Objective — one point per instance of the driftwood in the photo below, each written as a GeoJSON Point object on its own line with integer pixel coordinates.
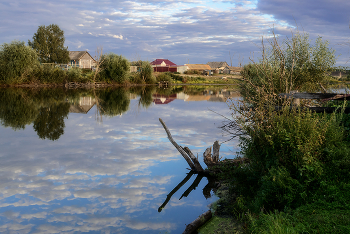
{"type": "Point", "coordinates": [191, 160]}
{"type": "Point", "coordinates": [210, 160]}
{"type": "Point", "coordinates": [192, 227]}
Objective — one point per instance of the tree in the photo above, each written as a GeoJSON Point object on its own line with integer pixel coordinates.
{"type": "Point", "coordinates": [16, 60]}
{"type": "Point", "coordinates": [48, 42]}
{"type": "Point", "coordinates": [114, 67]}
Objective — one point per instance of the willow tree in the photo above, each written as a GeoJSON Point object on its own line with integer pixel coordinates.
{"type": "Point", "coordinates": [114, 67]}
{"type": "Point", "coordinates": [16, 61]}
{"type": "Point", "coordinates": [48, 42]}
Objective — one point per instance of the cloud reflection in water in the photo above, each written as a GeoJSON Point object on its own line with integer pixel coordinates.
{"type": "Point", "coordinates": [106, 177]}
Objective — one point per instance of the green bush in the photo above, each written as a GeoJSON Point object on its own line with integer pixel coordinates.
{"type": "Point", "coordinates": [164, 77]}
{"type": "Point", "coordinates": [16, 61]}
{"type": "Point", "coordinates": [48, 74]}
{"type": "Point", "coordinates": [146, 73]}
{"type": "Point", "coordinates": [74, 74]}
{"type": "Point", "coordinates": [290, 65]}
{"type": "Point", "coordinates": [114, 68]}
{"type": "Point", "coordinates": [193, 72]}
{"type": "Point", "coordinates": [287, 157]}
{"type": "Point", "coordinates": [299, 161]}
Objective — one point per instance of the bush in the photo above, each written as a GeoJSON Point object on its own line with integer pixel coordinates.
{"type": "Point", "coordinates": [114, 68]}
{"type": "Point", "coordinates": [16, 61]}
{"type": "Point", "coordinates": [146, 73]}
{"type": "Point", "coordinates": [48, 74]}
{"type": "Point", "coordinates": [74, 74]}
{"type": "Point", "coordinates": [286, 66]}
{"type": "Point", "coordinates": [296, 158]}
{"type": "Point", "coordinates": [193, 72]}
{"type": "Point", "coordinates": [164, 77]}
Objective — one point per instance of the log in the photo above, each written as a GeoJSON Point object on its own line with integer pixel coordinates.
{"type": "Point", "coordinates": [197, 223]}
{"type": "Point", "coordinates": [180, 149]}
{"type": "Point", "coordinates": [191, 160]}
{"type": "Point", "coordinates": [195, 161]}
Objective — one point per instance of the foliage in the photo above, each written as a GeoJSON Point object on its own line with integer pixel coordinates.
{"type": "Point", "coordinates": [293, 64]}
{"type": "Point", "coordinates": [164, 77]}
{"type": "Point", "coordinates": [193, 72]}
{"type": "Point", "coordinates": [48, 42]}
{"type": "Point", "coordinates": [47, 74]}
{"type": "Point", "coordinates": [74, 74]}
{"type": "Point", "coordinates": [146, 72]}
{"type": "Point", "coordinates": [16, 61]}
{"type": "Point", "coordinates": [298, 160]}
{"type": "Point", "coordinates": [114, 67]}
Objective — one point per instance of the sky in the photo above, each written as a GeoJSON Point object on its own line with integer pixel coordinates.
{"type": "Point", "coordinates": [184, 31]}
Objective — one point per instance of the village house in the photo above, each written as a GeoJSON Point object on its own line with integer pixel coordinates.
{"type": "Point", "coordinates": [202, 68]}
{"type": "Point", "coordinates": [165, 65]}
{"type": "Point", "coordinates": [81, 59]}
{"type": "Point", "coordinates": [217, 67]}
{"type": "Point", "coordinates": [232, 70]}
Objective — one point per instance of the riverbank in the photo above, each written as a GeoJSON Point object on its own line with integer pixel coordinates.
{"type": "Point", "coordinates": [172, 79]}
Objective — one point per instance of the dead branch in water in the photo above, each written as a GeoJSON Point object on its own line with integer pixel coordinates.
{"type": "Point", "coordinates": [185, 152]}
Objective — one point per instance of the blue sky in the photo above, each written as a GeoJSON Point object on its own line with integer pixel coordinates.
{"type": "Point", "coordinates": [187, 31]}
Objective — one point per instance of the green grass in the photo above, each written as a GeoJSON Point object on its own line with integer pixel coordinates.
{"type": "Point", "coordinates": [221, 225]}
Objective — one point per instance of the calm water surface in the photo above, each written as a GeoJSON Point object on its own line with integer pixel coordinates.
{"type": "Point", "coordinates": [84, 161]}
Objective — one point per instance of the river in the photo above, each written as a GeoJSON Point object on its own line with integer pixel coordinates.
{"type": "Point", "coordinates": [99, 161]}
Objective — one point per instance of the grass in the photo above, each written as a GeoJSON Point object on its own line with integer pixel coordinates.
{"type": "Point", "coordinates": [199, 79]}
{"type": "Point", "coordinates": [221, 225]}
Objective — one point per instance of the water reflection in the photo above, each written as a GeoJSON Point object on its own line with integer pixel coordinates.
{"type": "Point", "coordinates": [100, 178]}
{"type": "Point", "coordinates": [47, 108]}
{"type": "Point", "coordinates": [211, 186]}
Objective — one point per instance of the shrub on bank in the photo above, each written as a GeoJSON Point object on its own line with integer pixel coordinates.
{"type": "Point", "coordinates": [293, 64]}
{"type": "Point", "coordinates": [16, 61]}
{"type": "Point", "coordinates": [164, 77]}
{"type": "Point", "coordinates": [297, 159]}
{"type": "Point", "coordinates": [47, 74]}
{"type": "Point", "coordinates": [114, 68]}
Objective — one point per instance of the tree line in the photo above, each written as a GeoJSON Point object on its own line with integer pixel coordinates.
{"type": "Point", "coordinates": [37, 62]}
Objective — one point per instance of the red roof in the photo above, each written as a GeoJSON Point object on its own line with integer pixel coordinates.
{"type": "Point", "coordinates": [166, 61]}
